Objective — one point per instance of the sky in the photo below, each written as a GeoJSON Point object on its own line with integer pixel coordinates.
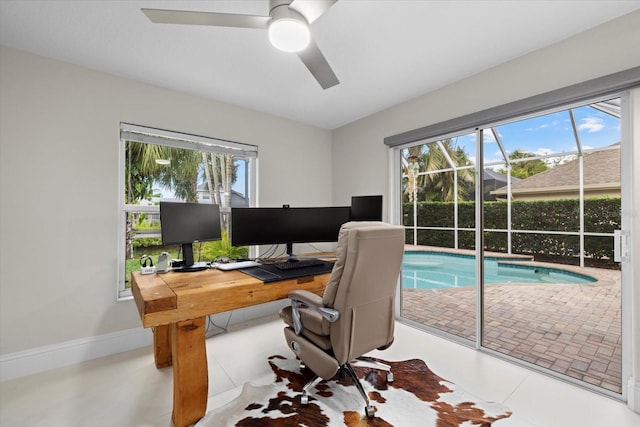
{"type": "Point", "coordinates": [548, 134]}
{"type": "Point", "coordinates": [239, 184]}
{"type": "Point", "coordinates": [544, 135]}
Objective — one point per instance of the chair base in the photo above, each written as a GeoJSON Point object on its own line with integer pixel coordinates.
{"type": "Point", "coordinates": [347, 367]}
{"type": "Point", "coordinates": [367, 362]}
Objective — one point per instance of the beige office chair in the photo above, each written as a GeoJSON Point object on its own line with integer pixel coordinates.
{"type": "Point", "coordinates": [355, 315]}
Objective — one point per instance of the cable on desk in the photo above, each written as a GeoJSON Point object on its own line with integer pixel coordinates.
{"type": "Point", "coordinates": [211, 323]}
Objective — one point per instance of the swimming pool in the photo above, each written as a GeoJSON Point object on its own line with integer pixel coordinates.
{"type": "Point", "coordinates": [438, 270]}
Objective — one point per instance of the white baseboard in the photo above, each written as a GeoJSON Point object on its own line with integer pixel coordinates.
{"type": "Point", "coordinates": [33, 361]}
{"type": "Point", "coordinates": [633, 395]}
{"type": "Point", "coordinates": [41, 359]}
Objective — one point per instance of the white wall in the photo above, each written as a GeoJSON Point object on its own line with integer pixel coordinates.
{"type": "Point", "coordinates": [59, 141]}
{"type": "Point", "coordinates": [360, 158]}
{"type": "Point", "coordinates": [604, 50]}
{"type": "Point", "coordinates": [58, 168]}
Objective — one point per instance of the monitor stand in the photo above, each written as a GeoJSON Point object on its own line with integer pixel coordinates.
{"type": "Point", "coordinates": [187, 258]}
{"type": "Point", "coordinates": [290, 256]}
{"type": "Point", "coordinates": [190, 269]}
{"type": "Point", "coordinates": [293, 258]}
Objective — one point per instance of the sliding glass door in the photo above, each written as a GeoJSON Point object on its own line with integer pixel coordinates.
{"type": "Point", "coordinates": [510, 233]}
{"type": "Point", "coordinates": [438, 205]}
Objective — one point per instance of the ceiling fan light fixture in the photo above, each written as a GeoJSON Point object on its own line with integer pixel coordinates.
{"type": "Point", "coordinates": [289, 35]}
{"type": "Point", "coordinates": [288, 29]}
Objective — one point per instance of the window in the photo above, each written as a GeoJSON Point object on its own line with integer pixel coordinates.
{"type": "Point", "coordinates": [158, 165]}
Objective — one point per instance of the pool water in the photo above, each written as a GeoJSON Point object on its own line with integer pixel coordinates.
{"type": "Point", "coordinates": [437, 270]}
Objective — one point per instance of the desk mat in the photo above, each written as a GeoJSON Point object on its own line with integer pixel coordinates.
{"type": "Point", "coordinates": [269, 273]}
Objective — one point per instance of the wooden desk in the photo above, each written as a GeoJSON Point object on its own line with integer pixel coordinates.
{"type": "Point", "coordinates": [175, 305]}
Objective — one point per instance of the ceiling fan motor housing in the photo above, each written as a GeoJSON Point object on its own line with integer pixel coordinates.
{"type": "Point", "coordinates": [279, 9]}
{"type": "Point", "coordinates": [288, 29]}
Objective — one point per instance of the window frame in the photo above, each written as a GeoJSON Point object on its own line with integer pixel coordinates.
{"type": "Point", "coordinates": [149, 135]}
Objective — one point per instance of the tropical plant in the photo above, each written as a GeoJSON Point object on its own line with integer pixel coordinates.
{"type": "Point", "coordinates": [527, 168]}
{"type": "Point", "coordinates": [138, 175]}
{"type": "Point", "coordinates": [430, 176]}
{"type": "Point", "coordinates": [182, 176]}
{"type": "Point", "coordinates": [410, 172]}
{"type": "Point", "coordinates": [223, 249]}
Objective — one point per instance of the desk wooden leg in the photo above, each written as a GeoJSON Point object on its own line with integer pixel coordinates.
{"type": "Point", "coordinates": [190, 376]}
{"type": "Point", "coordinates": [162, 346]}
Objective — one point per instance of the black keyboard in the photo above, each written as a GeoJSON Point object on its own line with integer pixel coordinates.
{"type": "Point", "coordinates": [290, 265]}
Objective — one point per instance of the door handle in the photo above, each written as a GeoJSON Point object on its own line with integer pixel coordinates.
{"type": "Point", "coordinates": [620, 245]}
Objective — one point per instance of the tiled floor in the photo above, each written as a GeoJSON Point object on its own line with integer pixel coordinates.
{"type": "Point", "coordinates": [127, 390]}
{"type": "Point", "coordinates": [571, 329]}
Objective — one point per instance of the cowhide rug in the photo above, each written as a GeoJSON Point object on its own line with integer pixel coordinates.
{"type": "Point", "coordinates": [417, 397]}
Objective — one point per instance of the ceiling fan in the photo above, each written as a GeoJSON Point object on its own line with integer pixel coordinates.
{"type": "Point", "coordinates": [288, 25]}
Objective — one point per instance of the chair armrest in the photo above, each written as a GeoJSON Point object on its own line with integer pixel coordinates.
{"type": "Point", "coordinates": [309, 298]}
{"type": "Point", "coordinates": [304, 299]}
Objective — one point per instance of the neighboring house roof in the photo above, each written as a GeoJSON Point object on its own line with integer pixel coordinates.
{"type": "Point", "coordinates": [601, 172]}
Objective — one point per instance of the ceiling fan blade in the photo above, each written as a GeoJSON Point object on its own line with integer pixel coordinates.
{"type": "Point", "coordinates": [162, 16]}
{"type": "Point", "coordinates": [311, 9]}
{"type": "Point", "coordinates": [315, 61]}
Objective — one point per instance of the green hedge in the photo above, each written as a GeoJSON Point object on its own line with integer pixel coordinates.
{"type": "Point", "coordinates": [601, 215]}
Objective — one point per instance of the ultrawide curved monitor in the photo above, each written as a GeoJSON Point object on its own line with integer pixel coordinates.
{"type": "Point", "coordinates": [268, 226]}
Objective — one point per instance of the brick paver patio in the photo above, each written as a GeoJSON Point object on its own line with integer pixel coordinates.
{"type": "Point", "coordinates": [571, 329]}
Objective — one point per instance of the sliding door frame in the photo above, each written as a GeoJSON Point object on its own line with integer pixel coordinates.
{"type": "Point", "coordinates": [615, 85]}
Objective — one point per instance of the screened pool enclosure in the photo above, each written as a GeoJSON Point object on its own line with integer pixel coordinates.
{"type": "Point", "coordinates": [546, 179]}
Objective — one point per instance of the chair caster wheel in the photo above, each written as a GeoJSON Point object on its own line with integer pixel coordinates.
{"type": "Point", "coordinates": [304, 400]}
{"type": "Point", "coordinates": [389, 377]}
{"type": "Point", "coordinates": [369, 411]}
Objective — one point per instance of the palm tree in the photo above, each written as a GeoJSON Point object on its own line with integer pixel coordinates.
{"type": "Point", "coordinates": [182, 176]}
{"type": "Point", "coordinates": [213, 195]}
{"type": "Point", "coordinates": [142, 172]}
{"type": "Point", "coordinates": [139, 175]}
{"type": "Point", "coordinates": [220, 174]}
{"type": "Point", "coordinates": [410, 171]}
{"type": "Point", "coordinates": [437, 185]}
{"type": "Point", "coordinates": [444, 183]}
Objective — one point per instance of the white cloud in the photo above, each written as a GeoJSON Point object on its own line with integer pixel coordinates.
{"type": "Point", "coordinates": [543, 151]}
{"type": "Point", "coordinates": [591, 124]}
{"type": "Point", "coordinates": [553, 123]}
{"type": "Point", "coordinates": [488, 137]}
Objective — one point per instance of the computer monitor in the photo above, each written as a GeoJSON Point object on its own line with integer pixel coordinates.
{"type": "Point", "coordinates": [186, 223]}
{"type": "Point", "coordinates": [286, 225]}
{"type": "Point", "coordinates": [366, 208]}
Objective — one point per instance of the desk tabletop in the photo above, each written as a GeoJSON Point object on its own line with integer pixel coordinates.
{"type": "Point", "coordinates": [171, 297]}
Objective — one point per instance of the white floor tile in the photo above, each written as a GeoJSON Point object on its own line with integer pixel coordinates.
{"type": "Point", "coordinates": [127, 390]}
{"type": "Point", "coordinates": [553, 403]}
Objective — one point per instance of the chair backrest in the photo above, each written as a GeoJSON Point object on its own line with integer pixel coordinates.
{"type": "Point", "coordinates": [363, 286]}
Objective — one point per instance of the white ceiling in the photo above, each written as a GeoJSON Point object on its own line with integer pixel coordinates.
{"type": "Point", "coordinates": [383, 52]}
